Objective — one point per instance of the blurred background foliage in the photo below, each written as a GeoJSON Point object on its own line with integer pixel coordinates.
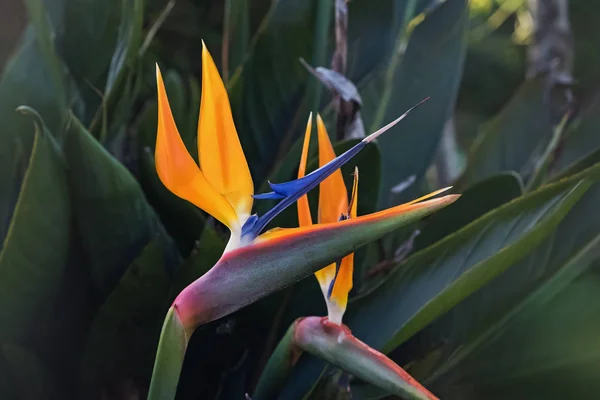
{"type": "Point", "coordinates": [493, 297]}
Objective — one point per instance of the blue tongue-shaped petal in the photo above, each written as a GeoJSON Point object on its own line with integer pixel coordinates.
{"type": "Point", "coordinates": [291, 191]}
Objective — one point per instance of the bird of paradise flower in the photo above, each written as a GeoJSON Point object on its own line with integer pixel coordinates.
{"type": "Point", "coordinates": [254, 263]}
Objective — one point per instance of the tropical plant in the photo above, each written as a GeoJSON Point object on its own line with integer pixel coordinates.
{"type": "Point", "coordinates": [110, 223]}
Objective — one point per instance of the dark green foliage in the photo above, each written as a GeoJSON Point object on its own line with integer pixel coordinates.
{"type": "Point", "coordinates": [496, 298]}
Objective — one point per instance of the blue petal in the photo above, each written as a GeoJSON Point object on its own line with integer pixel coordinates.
{"type": "Point", "coordinates": [317, 176]}
{"type": "Point", "coordinates": [268, 196]}
{"type": "Point", "coordinates": [338, 264]}
{"type": "Point", "coordinates": [250, 222]}
{"type": "Point", "coordinates": [291, 191]}
{"type": "Point", "coordinates": [297, 188]}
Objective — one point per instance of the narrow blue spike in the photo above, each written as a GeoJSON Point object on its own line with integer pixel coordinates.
{"type": "Point", "coordinates": [338, 264]}
{"type": "Point", "coordinates": [250, 222]}
{"type": "Point", "coordinates": [268, 196]}
{"type": "Point", "coordinates": [297, 185]}
{"type": "Point", "coordinates": [291, 191]}
{"type": "Point", "coordinates": [302, 186]}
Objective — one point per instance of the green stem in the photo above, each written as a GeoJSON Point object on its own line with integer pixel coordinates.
{"type": "Point", "coordinates": [279, 366]}
{"type": "Point", "coordinates": [169, 358]}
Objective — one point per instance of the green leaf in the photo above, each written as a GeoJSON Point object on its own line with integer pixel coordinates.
{"type": "Point", "coordinates": [472, 325]}
{"type": "Point", "coordinates": [128, 42]}
{"type": "Point", "coordinates": [373, 32]}
{"type": "Point", "coordinates": [91, 31]}
{"type": "Point", "coordinates": [473, 203]}
{"type": "Point", "coordinates": [461, 364]}
{"type": "Point", "coordinates": [581, 141]}
{"type": "Point", "coordinates": [514, 139]}
{"type": "Point", "coordinates": [125, 330]}
{"type": "Point", "coordinates": [114, 219]}
{"type": "Point", "coordinates": [236, 35]}
{"type": "Point", "coordinates": [29, 377]}
{"type": "Point", "coordinates": [278, 367]}
{"type": "Point", "coordinates": [33, 77]}
{"type": "Point", "coordinates": [431, 66]}
{"type": "Point", "coordinates": [578, 166]}
{"type": "Point", "coordinates": [436, 279]}
{"type": "Point", "coordinates": [34, 255]}
{"type": "Point", "coordinates": [546, 350]}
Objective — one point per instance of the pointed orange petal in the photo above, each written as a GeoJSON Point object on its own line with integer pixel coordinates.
{"type": "Point", "coordinates": [343, 279]}
{"type": "Point", "coordinates": [333, 199]}
{"type": "Point", "coordinates": [177, 169]}
{"type": "Point", "coordinates": [341, 288]}
{"type": "Point", "coordinates": [221, 156]}
{"type": "Point", "coordinates": [304, 217]}
{"type": "Point", "coordinates": [325, 276]}
{"type": "Point", "coordinates": [427, 196]}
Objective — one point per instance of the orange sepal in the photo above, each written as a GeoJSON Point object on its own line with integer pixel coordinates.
{"type": "Point", "coordinates": [221, 156]}
{"type": "Point", "coordinates": [177, 169]}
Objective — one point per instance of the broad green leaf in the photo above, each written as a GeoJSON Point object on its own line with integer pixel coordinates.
{"type": "Point", "coordinates": [269, 99]}
{"type": "Point", "coordinates": [431, 66]}
{"type": "Point", "coordinates": [114, 219]}
{"type": "Point", "coordinates": [33, 77]}
{"type": "Point", "coordinates": [513, 139]}
{"type": "Point", "coordinates": [436, 279]}
{"type": "Point", "coordinates": [373, 32]}
{"type": "Point", "coordinates": [470, 326]}
{"type": "Point", "coordinates": [323, 22]}
{"type": "Point", "coordinates": [578, 166]}
{"type": "Point", "coordinates": [473, 203]}
{"type": "Point", "coordinates": [460, 366]}
{"type": "Point", "coordinates": [236, 35]}
{"type": "Point", "coordinates": [29, 377]}
{"type": "Point", "coordinates": [91, 31]}
{"type": "Point", "coordinates": [546, 351]}
{"type": "Point", "coordinates": [34, 255]}
{"type": "Point", "coordinates": [123, 335]}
